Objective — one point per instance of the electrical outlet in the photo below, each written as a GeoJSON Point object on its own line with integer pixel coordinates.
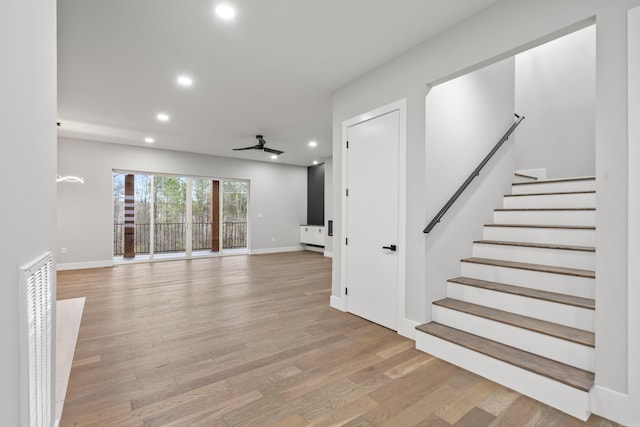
{"type": "Point", "coordinates": [273, 239]}
{"type": "Point", "coordinates": [63, 250]}
{"type": "Point", "coordinates": [260, 215]}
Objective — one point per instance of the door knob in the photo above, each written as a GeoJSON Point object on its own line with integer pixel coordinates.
{"type": "Point", "coordinates": [392, 248]}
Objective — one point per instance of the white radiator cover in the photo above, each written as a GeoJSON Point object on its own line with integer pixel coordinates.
{"type": "Point", "coordinates": [37, 332]}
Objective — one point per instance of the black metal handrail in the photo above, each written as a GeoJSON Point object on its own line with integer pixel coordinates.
{"type": "Point", "coordinates": [436, 219]}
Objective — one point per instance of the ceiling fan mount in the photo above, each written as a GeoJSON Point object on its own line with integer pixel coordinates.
{"type": "Point", "coordinates": [260, 146]}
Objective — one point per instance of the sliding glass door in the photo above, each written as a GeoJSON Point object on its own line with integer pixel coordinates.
{"type": "Point", "coordinates": [235, 202]}
{"type": "Point", "coordinates": [169, 215]}
{"type": "Point", "coordinates": [161, 216]}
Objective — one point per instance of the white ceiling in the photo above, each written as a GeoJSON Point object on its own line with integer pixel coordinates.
{"type": "Point", "coordinates": [270, 71]}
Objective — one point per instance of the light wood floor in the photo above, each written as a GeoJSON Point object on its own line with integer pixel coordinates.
{"type": "Point", "coordinates": [251, 341]}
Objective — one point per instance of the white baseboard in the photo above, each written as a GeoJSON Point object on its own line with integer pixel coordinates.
{"type": "Point", "coordinates": [83, 265]}
{"type": "Point", "coordinates": [337, 303]}
{"type": "Point", "coordinates": [319, 249]}
{"type": "Point", "coordinates": [613, 406]}
{"type": "Point", "coordinates": [328, 254]}
{"type": "Point", "coordinates": [407, 328]}
{"type": "Point", "coordinates": [274, 250]}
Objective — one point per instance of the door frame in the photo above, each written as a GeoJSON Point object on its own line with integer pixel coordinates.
{"type": "Point", "coordinates": [401, 107]}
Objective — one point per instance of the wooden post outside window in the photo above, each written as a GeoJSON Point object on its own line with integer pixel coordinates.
{"type": "Point", "coordinates": [214, 216]}
{"type": "Point", "coordinates": [129, 220]}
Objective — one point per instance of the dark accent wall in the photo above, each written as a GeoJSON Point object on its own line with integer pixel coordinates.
{"type": "Point", "coordinates": [315, 195]}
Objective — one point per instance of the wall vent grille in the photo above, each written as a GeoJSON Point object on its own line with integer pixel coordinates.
{"type": "Point", "coordinates": [37, 295]}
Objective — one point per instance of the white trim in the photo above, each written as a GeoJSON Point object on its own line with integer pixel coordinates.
{"type": "Point", "coordinates": [328, 254]}
{"type": "Point", "coordinates": [311, 248]}
{"type": "Point", "coordinates": [401, 107]}
{"type": "Point", "coordinates": [632, 414]}
{"type": "Point", "coordinates": [337, 303]}
{"type": "Point", "coordinates": [275, 250]}
{"type": "Point", "coordinates": [407, 328]}
{"type": "Point", "coordinates": [612, 405]}
{"type": "Point", "coordinates": [188, 244]}
{"type": "Point", "coordinates": [83, 265]}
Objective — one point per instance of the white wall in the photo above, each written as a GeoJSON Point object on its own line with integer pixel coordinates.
{"type": "Point", "coordinates": [556, 91]}
{"type": "Point", "coordinates": [85, 211]}
{"type": "Point", "coordinates": [634, 213]}
{"type": "Point", "coordinates": [465, 118]}
{"type": "Point", "coordinates": [27, 167]}
{"type": "Point", "coordinates": [507, 28]}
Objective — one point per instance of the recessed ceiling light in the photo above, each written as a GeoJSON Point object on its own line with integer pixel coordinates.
{"type": "Point", "coordinates": [313, 144]}
{"type": "Point", "coordinates": [274, 157]}
{"type": "Point", "coordinates": [149, 140]}
{"type": "Point", "coordinates": [184, 81]}
{"type": "Point", "coordinates": [315, 162]}
{"type": "Point", "coordinates": [163, 117]}
{"type": "Point", "coordinates": [225, 11]}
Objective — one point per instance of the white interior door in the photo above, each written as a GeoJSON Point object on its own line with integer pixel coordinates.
{"type": "Point", "coordinates": [372, 219]}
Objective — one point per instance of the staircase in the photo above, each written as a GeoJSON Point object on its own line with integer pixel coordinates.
{"type": "Point", "coordinates": [522, 312]}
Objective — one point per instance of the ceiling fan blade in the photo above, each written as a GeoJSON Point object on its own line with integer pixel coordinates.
{"type": "Point", "coordinates": [253, 147]}
{"type": "Point", "coordinates": [272, 151]}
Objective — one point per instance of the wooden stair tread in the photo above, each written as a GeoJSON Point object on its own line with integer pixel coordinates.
{"type": "Point", "coordinates": [533, 267]}
{"type": "Point", "coordinates": [542, 209]}
{"type": "Point", "coordinates": [527, 292]}
{"type": "Point", "coordinates": [537, 245]}
{"type": "Point", "coordinates": [566, 374]}
{"type": "Point", "coordinates": [548, 181]}
{"type": "Point", "coordinates": [551, 194]}
{"type": "Point", "coordinates": [567, 227]}
{"type": "Point", "coordinates": [567, 333]}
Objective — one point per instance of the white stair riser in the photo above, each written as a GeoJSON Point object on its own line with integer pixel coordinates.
{"type": "Point", "coordinates": [555, 187]}
{"type": "Point", "coordinates": [553, 393]}
{"type": "Point", "coordinates": [555, 257]}
{"type": "Point", "coordinates": [568, 315]}
{"type": "Point", "coordinates": [559, 236]}
{"type": "Point", "coordinates": [578, 200]}
{"type": "Point", "coordinates": [543, 345]}
{"type": "Point", "coordinates": [582, 218]}
{"type": "Point", "coordinates": [559, 283]}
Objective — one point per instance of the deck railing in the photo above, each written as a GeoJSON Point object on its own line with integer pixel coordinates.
{"type": "Point", "coordinates": [170, 237]}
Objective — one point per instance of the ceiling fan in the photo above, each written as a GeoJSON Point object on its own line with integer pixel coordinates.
{"type": "Point", "coordinates": [261, 146]}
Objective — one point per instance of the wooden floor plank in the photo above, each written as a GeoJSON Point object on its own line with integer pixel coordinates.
{"type": "Point", "coordinates": [251, 340]}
